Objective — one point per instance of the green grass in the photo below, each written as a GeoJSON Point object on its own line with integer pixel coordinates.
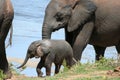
{"type": "Point", "coordinates": [2, 76]}
{"type": "Point", "coordinates": [98, 78]}
{"type": "Point", "coordinates": [89, 72]}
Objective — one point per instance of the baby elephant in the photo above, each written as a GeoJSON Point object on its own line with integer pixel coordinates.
{"type": "Point", "coordinates": [50, 51]}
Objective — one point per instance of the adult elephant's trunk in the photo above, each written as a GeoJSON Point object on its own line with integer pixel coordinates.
{"type": "Point", "coordinates": [46, 31]}
{"type": "Point", "coordinates": [25, 61]}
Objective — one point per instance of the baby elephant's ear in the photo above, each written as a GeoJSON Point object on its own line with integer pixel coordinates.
{"type": "Point", "coordinates": [82, 12]}
{"type": "Point", "coordinates": [45, 49]}
{"type": "Point", "coordinates": [39, 51]}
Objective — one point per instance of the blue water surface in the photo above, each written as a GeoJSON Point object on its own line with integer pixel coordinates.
{"type": "Point", "coordinates": [27, 25]}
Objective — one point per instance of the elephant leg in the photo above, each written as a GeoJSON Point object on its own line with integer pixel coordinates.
{"type": "Point", "coordinates": [57, 68]}
{"type": "Point", "coordinates": [99, 51]}
{"type": "Point", "coordinates": [4, 29]}
{"type": "Point", "coordinates": [4, 66]}
{"type": "Point", "coordinates": [39, 66]}
{"type": "Point", "coordinates": [48, 64]}
{"type": "Point", "coordinates": [82, 40]}
{"type": "Point", "coordinates": [69, 61]}
{"type": "Point", "coordinates": [48, 68]}
{"type": "Point", "coordinates": [118, 50]}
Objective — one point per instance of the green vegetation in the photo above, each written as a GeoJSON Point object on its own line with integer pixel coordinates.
{"type": "Point", "coordinates": [97, 78]}
{"type": "Point", "coordinates": [2, 76]}
{"type": "Point", "coordinates": [95, 71]}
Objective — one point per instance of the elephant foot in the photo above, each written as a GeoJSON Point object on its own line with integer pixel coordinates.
{"type": "Point", "coordinates": [39, 73]}
{"type": "Point", "coordinates": [8, 74]}
{"type": "Point", "coordinates": [4, 67]}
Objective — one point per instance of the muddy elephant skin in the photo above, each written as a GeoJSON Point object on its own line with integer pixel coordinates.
{"type": "Point", "coordinates": [50, 51]}
{"type": "Point", "coordinates": [95, 22]}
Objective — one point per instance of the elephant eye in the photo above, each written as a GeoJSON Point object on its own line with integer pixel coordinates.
{"type": "Point", "coordinates": [58, 17]}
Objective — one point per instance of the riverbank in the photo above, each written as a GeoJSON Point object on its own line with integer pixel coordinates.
{"type": "Point", "coordinates": [102, 70]}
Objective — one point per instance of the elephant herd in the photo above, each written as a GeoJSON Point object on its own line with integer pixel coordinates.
{"type": "Point", "coordinates": [95, 22]}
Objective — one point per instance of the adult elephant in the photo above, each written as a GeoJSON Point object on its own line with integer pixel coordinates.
{"type": "Point", "coordinates": [96, 22]}
{"type": "Point", "coordinates": [6, 17]}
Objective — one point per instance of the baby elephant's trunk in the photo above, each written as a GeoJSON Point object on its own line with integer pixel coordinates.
{"type": "Point", "coordinates": [25, 61]}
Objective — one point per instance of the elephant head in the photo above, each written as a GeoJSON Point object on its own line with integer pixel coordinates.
{"type": "Point", "coordinates": [59, 14]}
{"type": "Point", "coordinates": [54, 20]}
{"type": "Point", "coordinates": [35, 50]}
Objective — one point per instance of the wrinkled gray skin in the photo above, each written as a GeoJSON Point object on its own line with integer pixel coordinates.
{"type": "Point", "coordinates": [6, 17]}
{"type": "Point", "coordinates": [95, 22]}
{"type": "Point", "coordinates": [50, 51]}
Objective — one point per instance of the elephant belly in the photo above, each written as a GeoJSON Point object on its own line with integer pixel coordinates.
{"type": "Point", "coordinates": [103, 42]}
{"type": "Point", "coordinates": [105, 39]}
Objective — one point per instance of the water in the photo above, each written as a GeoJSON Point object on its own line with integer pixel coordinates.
{"type": "Point", "coordinates": [27, 25]}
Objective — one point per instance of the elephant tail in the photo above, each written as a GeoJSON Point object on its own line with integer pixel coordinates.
{"type": "Point", "coordinates": [74, 61]}
{"type": "Point", "coordinates": [10, 39]}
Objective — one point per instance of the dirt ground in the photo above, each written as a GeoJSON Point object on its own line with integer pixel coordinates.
{"type": "Point", "coordinates": [110, 73]}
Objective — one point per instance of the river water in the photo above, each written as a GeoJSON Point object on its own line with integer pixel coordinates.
{"type": "Point", "coordinates": [27, 27]}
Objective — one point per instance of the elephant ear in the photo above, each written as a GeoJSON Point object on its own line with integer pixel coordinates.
{"type": "Point", "coordinates": [42, 50]}
{"type": "Point", "coordinates": [82, 12]}
{"type": "Point", "coordinates": [39, 51]}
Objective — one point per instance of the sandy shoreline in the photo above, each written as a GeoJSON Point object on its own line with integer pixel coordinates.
{"type": "Point", "coordinates": [31, 63]}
